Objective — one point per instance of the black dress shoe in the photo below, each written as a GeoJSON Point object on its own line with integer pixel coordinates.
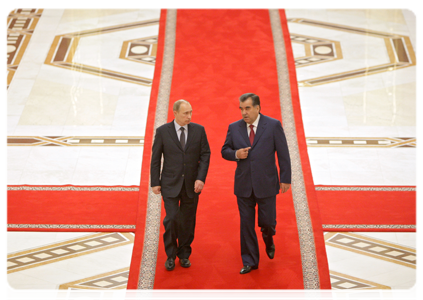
{"type": "Point", "coordinates": [185, 263]}
{"type": "Point", "coordinates": [270, 251]}
{"type": "Point", "coordinates": [247, 269]}
{"type": "Point", "coordinates": [170, 264]}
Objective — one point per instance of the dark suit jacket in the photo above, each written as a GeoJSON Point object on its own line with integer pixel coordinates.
{"type": "Point", "coordinates": [258, 171]}
{"type": "Point", "coordinates": [179, 165]}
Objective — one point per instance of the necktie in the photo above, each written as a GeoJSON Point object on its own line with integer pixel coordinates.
{"type": "Point", "coordinates": [182, 138]}
{"type": "Point", "coordinates": [252, 134]}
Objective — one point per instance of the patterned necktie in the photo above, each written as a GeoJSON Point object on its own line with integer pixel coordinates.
{"type": "Point", "coordinates": [182, 138]}
{"type": "Point", "coordinates": [252, 134]}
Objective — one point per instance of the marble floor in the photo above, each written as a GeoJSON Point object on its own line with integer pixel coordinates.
{"type": "Point", "coordinates": [69, 260]}
{"type": "Point", "coordinates": [52, 100]}
{"type": "Point", "coordinates": [79, 83]}
{"type": "Point", "coordinates": [358, 105]}
{"type": "Point", "coordinates": [352, 91]}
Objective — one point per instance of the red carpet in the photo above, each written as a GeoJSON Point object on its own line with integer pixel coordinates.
{"type": "Point", "coordinates": [220, 54]}
{"type": "Point", "coordinates": [145, 170]}
{"type": "Point", "coordinates": [71, 208]}
{"type": "Point", "coordinates": [355, 210]}
{"type": "Point", "coordinates": [320, 247]}
{"type": "Point", "coordinates": [214, 64]}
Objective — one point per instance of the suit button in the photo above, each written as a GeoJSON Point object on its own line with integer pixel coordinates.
{"type": "Point", "coordinates": [182, 175]}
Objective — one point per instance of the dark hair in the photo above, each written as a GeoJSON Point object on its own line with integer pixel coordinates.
{"type": "Point", "coordinates": [254, 98]}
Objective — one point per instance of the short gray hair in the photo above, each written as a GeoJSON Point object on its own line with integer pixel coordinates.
{"type": "Point", "coordinates": [178, 103]}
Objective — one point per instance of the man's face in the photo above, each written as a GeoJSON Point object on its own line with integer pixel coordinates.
{"type": "Point", "coordinates": [183, 116]}
{"type": "Point", "coordinates": [248, 111]}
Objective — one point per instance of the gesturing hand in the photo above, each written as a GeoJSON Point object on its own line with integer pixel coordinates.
{"type": "Point", "coordinates": [242, 153]}
{"type": "Point", "coordinates": [198, 186]}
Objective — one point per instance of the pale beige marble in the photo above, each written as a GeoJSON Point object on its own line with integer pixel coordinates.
{"type": "Point", "coordinates": [392, 106]}
{"type": "Point", "coordinates": [52, 103]}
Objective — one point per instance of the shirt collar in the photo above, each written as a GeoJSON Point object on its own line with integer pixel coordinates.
{"type": "Point", "coordinates": [177, 126]}
{"type": "Point", "coordinates": [255, 123]}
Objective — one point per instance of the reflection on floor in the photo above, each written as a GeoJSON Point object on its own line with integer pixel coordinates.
{"type": "Point", "coordinates": [78, 93]}
{"type": "Point", "coordinates": [68, 260]}
{"type": "Point", "coordinates": [83, 80]}
{"type": "Point", "coordinates": [357, 106]}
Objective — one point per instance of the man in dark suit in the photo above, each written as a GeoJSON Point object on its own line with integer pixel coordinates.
{"type": "Point", "coordinates": [252, 143]}
{"type": "Point", "coordinates": [186, 157]}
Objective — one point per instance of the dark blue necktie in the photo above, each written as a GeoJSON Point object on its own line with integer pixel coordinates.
{"type": "Point", "coordinates": [182, 138]}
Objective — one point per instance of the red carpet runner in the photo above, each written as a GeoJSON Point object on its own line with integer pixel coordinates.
{"type": "Point", "coordinates": [221, 54]}
{"type": "Point", "coordinates": [344, 208]}
{"type": "Point", "coordinates": [72, 208]}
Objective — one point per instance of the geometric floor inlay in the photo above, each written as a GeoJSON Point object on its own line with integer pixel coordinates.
{"type": "Point", "coordinates": [111, 280]}
{"type": "Point", "coordinates": [364, 245]}
{"type": "Point", "coordinates": [398, 47]}
{"type": "Point", "coordinates": [21, 24]}
{"type": "Point", "coordinates": [386, 142]}
{"type": "Point", "coordinates": [32, 258]}
{"type": "Point", "coordinates": [341, 281]}
{"type": "Point", "coordinates": [64, 47]}
{"type": "Point", "coordinates": [75, 141]}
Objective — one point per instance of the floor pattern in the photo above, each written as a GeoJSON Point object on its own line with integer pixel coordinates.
{"type": "Point", "coordinates": [361, 245]}
{"type": "Point", "coordinates": [21, 23]}
{"type": "Point", "coordinates": [78, 92]}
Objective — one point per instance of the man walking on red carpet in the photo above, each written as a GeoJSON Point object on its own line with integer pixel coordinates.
{"type": "Point", "coordinates": [252, 143]}
{"type": "Point", "coordinates": [186, 158]}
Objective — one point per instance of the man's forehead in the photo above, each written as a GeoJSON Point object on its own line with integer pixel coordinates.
{"type": "Point", "coordinates": [185, 107]}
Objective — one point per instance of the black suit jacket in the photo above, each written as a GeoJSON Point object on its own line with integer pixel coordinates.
{"type": "Point", "coordinates": [179, 165]}
{"type": "Point", "coordinates": [258, 171]}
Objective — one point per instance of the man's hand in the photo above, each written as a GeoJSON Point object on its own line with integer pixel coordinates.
{"type": "Point", "coordinates": [242, 153]}
{"type": "Point", "coordinates": [157, 189]}
{"type": "Point", "coordinates": [285, 187]}
{"type": "Point", "coordinates": [198, 186]}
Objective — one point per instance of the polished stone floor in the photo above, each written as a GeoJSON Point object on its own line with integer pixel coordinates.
{"type": "Point", "coordinates": [84, 78]}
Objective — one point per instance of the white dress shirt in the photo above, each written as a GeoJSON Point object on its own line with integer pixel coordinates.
{"type": "Point", "coordinates": [255, 124]}
{"type": "Point", "coordinates": [178, 131]}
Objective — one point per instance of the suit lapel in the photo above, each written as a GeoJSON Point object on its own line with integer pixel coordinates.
{"type": "Point", "coordinates": [191, 135]}
{"type": "Point", "coordinates": [243, 131]}
{"type": "Point", "coordinates": [174, 136]}
{"type": "Point", "coordinates": [260, 129]}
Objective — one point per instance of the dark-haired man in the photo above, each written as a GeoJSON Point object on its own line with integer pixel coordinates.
{"type": "Point", "coordinates": [252, 143]}
{"type": "Point", "coordinates": [186, 158]}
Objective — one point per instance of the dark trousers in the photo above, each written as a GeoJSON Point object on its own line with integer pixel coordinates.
{"type": "Point", "coordinates": [266, 221]}
{"type": "Point", "coordinates": [179, 224]}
